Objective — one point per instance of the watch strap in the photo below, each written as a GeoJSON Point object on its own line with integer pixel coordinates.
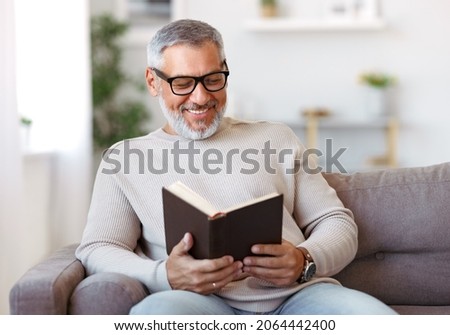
{"type": "Point", "coordinates": [306, 254]}
{"type": "Point", "coordinates": [309, 268]}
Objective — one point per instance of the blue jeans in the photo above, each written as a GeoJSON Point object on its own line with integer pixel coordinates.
{"type": "Point", "coordinates": [317, 299]}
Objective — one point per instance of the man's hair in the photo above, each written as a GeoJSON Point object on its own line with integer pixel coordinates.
{"type": "Point", "coordinates": [190, 32]}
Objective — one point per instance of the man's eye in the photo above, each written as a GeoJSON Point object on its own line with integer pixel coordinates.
{"type": "Point", "coordinates": [182, 83]}
{"type": "Point", "coordinates": [214, 79]}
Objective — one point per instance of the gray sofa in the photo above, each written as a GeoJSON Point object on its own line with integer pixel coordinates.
{"type": "Point", "coordinates": [403, 216]}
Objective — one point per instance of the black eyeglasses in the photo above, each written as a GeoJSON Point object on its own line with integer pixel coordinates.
{"type": "Point", "coordinates": [184, 85]}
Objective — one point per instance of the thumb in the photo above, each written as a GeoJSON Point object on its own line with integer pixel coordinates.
{"type": "Point", "coordinates": [184, 245]}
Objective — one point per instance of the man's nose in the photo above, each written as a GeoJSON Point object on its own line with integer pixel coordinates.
{"type": "Point", "coordinates": [200, 95]}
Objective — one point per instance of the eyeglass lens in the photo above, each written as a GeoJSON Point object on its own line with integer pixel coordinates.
{"type": "Point", "coordinates": [212, 82]}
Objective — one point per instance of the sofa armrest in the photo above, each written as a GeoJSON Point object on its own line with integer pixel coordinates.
{"type": "Point", "coordinates": [106, 293]}
{"type": "Point", "coordinates": [47, 287]}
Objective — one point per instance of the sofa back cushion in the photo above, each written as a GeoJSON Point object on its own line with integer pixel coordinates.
{"type": "Point", "coordinates": [403, 218]}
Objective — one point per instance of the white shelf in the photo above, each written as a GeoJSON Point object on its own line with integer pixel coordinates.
{"type": "Point", "coordinates": [338, 123]}
{"type": "Point", "coordinates": [293, 24]}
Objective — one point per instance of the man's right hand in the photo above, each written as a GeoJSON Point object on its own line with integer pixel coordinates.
{"type": "Point", "coordinates": [201, 276]}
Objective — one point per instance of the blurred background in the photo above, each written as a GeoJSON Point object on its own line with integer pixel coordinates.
{"type": "Point", "coordinates": [372, 75]}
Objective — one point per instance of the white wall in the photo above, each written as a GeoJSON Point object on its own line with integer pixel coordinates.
{"type": "Point", "coordinates": [277, 74]}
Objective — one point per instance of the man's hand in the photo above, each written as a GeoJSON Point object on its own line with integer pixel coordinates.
{"type": "Point", "coordinates": [201, 276]}
{"type": "Point", "coordinates": [281, 265]}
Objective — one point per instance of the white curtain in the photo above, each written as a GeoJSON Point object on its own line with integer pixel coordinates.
{"type": "Point", "coordinates": [44, 74]}
{"type": "Point", "coordinates": [10, 159]}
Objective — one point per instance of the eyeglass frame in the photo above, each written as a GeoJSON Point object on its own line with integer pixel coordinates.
{"type": "Point", "coordinates": [197, 80]}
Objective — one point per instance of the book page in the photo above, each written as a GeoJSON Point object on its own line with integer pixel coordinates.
{"type": "Point", "coordinates": [196, 200]}
{"type": "Point", "coordinates": [193, 198]}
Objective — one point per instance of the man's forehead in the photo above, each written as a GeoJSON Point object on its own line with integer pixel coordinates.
{"type": "Point", "coordinates": [184, 57]}
{"type": "Point", "coordinates": [206, 46]}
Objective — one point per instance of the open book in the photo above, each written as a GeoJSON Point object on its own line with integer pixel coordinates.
{"type": "Point", "coordinates": [218, 232]}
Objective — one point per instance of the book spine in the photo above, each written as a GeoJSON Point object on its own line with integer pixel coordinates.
{"type": "Point", "coordinates": [218, 238]}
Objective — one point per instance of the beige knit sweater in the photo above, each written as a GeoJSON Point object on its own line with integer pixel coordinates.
{"type": "Point", "coordinates": [125, 228]}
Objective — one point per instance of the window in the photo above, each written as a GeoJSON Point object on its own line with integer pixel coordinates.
{"type": "Point", "coordinates": [149, 12]}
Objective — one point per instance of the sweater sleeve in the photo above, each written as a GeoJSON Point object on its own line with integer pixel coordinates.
{"type": "Point", "coordinates": [111, 235]}
{"type": "Point", "coordinates": [329, 227]}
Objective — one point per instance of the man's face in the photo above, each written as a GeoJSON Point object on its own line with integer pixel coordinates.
{"type": "Point", "coordinates": [198, 114]}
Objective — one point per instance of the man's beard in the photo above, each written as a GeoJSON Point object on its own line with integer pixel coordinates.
{"type": "Point", "coordinates": [182, 128]}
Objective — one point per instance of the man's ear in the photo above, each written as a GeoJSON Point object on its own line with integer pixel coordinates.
{"type": "Point", "coordinates": [151, 82]}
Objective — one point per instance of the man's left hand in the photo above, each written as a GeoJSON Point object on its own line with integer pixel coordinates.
{"type": "Point", "coordinates": [279, 264]}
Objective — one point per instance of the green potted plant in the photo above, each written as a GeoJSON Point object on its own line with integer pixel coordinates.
{"type": "Point", "coordinates": [25, 130]}
{"type": "Point", "coordinates": [376, 95]}
{"type": "Point", "coordinates": [377, 79]}
{"type": "Point", "coordinates": [114, 118]}
{"type": "Point", "coordinates": [268, 8]}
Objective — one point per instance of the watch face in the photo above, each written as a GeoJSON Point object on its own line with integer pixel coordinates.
{"type": "Point", "coordinates": [309, 271]}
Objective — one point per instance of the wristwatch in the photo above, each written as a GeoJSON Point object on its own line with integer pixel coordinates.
{"type": "Point", "coordinates": [310, 267]}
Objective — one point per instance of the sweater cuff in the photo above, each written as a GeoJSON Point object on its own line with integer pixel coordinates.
{"type": "Point", "coordinates": [159, 281]}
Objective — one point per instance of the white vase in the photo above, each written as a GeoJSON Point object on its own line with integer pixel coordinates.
{"type": "Point", "coordinates": [376, 102]}
{"type": "Point", "coordinates": [25, 136]}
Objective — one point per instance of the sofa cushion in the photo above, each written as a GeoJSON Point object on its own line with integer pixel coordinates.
{"type": "Point", "coordinates": [403, 218]}
{"type": "Point", "coordinates": [106, 293]}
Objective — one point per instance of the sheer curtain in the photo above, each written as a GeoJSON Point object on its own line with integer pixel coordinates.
{"type": "Point", "coordinates": [45, 74]}
{"type": "Point", "coordinates": [10, 159]}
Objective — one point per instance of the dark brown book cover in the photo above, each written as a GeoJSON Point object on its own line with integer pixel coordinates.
{"type": "Point", "coordinates": [232, 233]}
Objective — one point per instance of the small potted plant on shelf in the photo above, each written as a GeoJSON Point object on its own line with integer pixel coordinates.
{"type": "Point", "coordinates": [377, 79]}
{"type": "Point", "coordinates": [268, 8]}
{"type": "Point", "coordinates": [377, 84]}
{"type": "Point", "coordinates": [25, 129]}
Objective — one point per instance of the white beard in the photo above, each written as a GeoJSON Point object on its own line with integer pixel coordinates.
{"type": "Point", "coordinates": [180, 126]}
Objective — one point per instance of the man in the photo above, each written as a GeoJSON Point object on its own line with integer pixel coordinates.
{"type": "Point", "coordinates": [226, 161]}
